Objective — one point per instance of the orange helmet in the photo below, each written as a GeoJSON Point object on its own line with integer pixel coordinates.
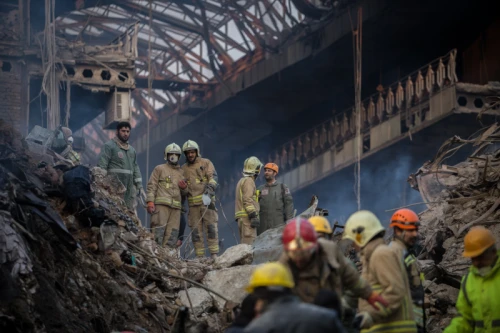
{"type": "Point", "coordinates": [477, 240]}
{"type": "Point", "coordinates": [405, 219]}
{"type": "Point", "coordinates": [272, 166]}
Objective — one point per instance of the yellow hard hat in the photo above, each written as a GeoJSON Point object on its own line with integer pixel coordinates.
{"type": "Point", "coordinates": [271, 274]}
{"type": "Point", "coordinates": [172, 149]}
{"type": "Point", "coordinates": [477, 240]}
{"type": "Point", "coordinates": [252, 166]}
{"type": "Point", "coordinates": [321, 224]}
{"type": "Point", "coordinates": [361, 227]}
{"type": "Point", "coordinates": [191, 145]}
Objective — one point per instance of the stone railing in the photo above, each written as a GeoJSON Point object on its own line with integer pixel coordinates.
{"type": "Point", "coordinates": [399, 99]}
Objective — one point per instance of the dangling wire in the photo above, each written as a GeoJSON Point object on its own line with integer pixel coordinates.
{"type": "Point", "coordinates": [150, 88]}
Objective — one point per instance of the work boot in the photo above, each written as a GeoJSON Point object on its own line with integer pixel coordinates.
{"type": "Point", "coordinates": [214, 256]}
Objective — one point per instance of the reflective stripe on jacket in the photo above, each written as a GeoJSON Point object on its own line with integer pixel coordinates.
{"type": "Point", "coordinates": [198, 175]}
{"type": "Point", "coordinates": [385, 272]}
{"type": "Point", "coordinates": [478, 303]}
{"type": "Point", "coordinates": [246, 198]}
{"type": "Point", "coordinates": [163, 186]}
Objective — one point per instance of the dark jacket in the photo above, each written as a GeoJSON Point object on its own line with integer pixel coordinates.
{"type": "Point", "coordinates": [235, 329]}
{"type": "Point", "coordinates": [288, 314]}
{"type": "Point", "coordinates": [276, 206]}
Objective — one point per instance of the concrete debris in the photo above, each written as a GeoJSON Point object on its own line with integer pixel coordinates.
{"type": "Point", "coordinates": [240, 254]}
{"type": "Point", "coordinates": [462, 196]}
{"type": "Point", "coordinates": [74, 258]}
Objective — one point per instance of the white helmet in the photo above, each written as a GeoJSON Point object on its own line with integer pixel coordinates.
{"type": "Point", "coordinates": [252, 166]}
{"type": "Point", "coordinates": [361, 227]}
{"type": "Point", "coordinates": [175, 150]}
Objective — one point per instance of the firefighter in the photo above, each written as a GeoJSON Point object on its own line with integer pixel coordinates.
{"type": "Point", "coordinates": [319, 264]}
{"type": "Point", "coordinates": [202, 179]}
{"type": "Point", "coordinates": [63, 144]}
{"type": "Point", "coordinates": [386, 274]}
{"type": "Point", "coordinates": [278, 310]}
{"type": "Point", "coordinates": [275, 199]}
{"type": "Point", "coordinates": [322, 227]}
{"type": "Point", "coordinates": [478, 301]}
{"type": "Point", "coordinates": [405, 223]}
{"type": "Point", "coordinates": [165, 189]}
{"type": "Point", "coordinates": [246, 203]}
{"type": "Point", "coordinates": [119, 157]}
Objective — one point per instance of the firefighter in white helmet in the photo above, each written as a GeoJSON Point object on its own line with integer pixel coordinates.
{"type": "Point", "coordinates": [247, 204]}
{"type": "Point", "coordinates": [165, 189]}
{"type": "Point", "coordinates": [202, 179]}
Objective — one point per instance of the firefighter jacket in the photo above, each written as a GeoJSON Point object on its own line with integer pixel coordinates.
{"type": "Point", "coordinates": [199, 174]}
{"type": "Point", "coordinates": [414, 278]}
{"type": "Point", "coordinates": [478, 303]}
{"type": "Point", "coordinates": [386, 274]}
{"type": "Point", "coordinates": [121, 159]}
{"type": "Point", "coordinates": [163, 188]}
{"type": "Point", "coordinates": [288, 314]}
{"type": "Point", "coordinates": [246, 198]}
{"type": "Point", "coordinates": [276, 206]}
{"type": "Point", "coordinates": [329, 269]}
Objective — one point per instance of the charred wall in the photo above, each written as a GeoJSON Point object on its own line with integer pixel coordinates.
{"type": "Point", "coordinates": [12, 94]}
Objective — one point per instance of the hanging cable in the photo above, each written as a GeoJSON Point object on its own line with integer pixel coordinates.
{"type": "Point", "coordinates": [150, 88]}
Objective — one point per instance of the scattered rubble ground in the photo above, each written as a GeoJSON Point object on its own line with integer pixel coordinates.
{"type": "Point", "coordinates": [74, 259]}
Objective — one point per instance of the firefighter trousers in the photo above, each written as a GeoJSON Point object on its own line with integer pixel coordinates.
{"type": "Point", "coordinates": [200, 226]}
{"type": "Point", "coordinates": [247, 233]}
{"type": "Point", "coordinates": [165, 223]}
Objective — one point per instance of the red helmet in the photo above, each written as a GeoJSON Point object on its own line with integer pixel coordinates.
{"type": "Point", "coordinates": [299, 234]}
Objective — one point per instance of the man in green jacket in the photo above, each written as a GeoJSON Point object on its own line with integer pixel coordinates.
{"type": "Point", "coordinates": [119, 157]}
{"type": "Point", "coordinates": [478, 302]}
{"type": "Point", "coordinates": [276, 202]}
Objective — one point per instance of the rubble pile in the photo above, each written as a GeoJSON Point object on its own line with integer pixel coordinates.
{"type": "Point", "coordinates": [458, 197]}
{"type": "Point", "coordinates": [73, 258]}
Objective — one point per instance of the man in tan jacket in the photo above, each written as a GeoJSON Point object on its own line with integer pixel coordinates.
{"type": "Point", "coordinates": [246, 203]}
{"type": "Point", "coordinates": [164, 191]}
{"type": "Point", "coordinates": [386, 274]}
{"type": "Point", "coordinates": [202, 179]}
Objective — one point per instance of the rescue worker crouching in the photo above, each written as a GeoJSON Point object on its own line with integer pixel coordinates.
{"type": "Point", "coordinates": [275, 200]}
{"type": "Point", "coordinates": [202, 179]}
{"type": "Point", "coordinates": [405, 223]}
{"type": "Point", "coordinates": [165, 189]}
{"type": "Point", "coordinates": [278, 310]}
{"type": "Point", "coordinates": [246, 204]}
{"type": "Point", "coordinates": [478, 301]}
{"type": "Point", "coordinates": [385, 272]}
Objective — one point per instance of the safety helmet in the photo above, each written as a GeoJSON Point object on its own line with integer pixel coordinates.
{"type": "Point", "coordinates": [299, 234]}
{"type": "Point", "coordinates": [172, 149]}
{"type": "Point", "coordinates": [477, 240]}
{"type": "Point", "coordinates": [405, 219]}
{"type": "Point", "coordinates": [191, 145]}
{"type": "Point", "coordinates": [361, 227]}
{"type": "Point", "coordinates": [272, 166]}
{"type": "Point", "coordinates": [252, 166]}
{"type": "Point", "coordinates": [272, 275]}
{"type": "Point", "coordinates": [321, 224]}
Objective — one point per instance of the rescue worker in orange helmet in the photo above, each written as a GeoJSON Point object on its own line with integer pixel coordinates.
{"type": "Point", "coordinates": [319, 264]}
{"type": "Point", "coordinates": [247, 203]}
{"type": "Point", "coordinates": [278, 310]}
{"type": "Point", "coordinates": [478, 301]}
{"type": "Point", "coordinates": [322, 227]}
{"type": "Point", "coordinates": [202, 179]}
{"type": "Point", "coordinates": [405, 223]}
{"type": "Point", "coordinates": [386, 274]}
{"type": "Point", "coordinates": [165, 189]}
{"type": "Point", "coordinates": [276, 202]}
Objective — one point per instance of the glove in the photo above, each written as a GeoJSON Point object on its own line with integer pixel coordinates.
{"type": "Point", "coordinates": [362, 320]}
{"type": "Point", "coordinates": [254, 220]}
{"type": "Point", "coordinates": [151, 207]}
{"type": "Point", "coordinates": [182, 184]}
{"type": "Point", "coordinates": [377, 301]}
{"type": "Point", "coordinates": [210, 190]}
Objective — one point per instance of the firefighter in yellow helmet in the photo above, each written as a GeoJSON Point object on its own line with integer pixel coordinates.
{"type": "Point", "coordinates": [278, 310]}
{"type": "Point", "coordinates": [386, 274]}
{"type": "Point", "coordinates": [478, 302]}
{"type": "Point", "coordinates": [165, 188]}
{"type": "Point", "coordinates": [201, 179]}
{"type": "Point", "coordinates": [321, 226]}
{"type": "Point", "coordinates": [246, 203]}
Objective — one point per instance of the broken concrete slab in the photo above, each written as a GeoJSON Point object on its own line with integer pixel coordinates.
{"type": "Point", "coordinates": [200, 299]}
{"type": "Point", "coordinates": [267, 246]}
{"type": "Point", "coordinates": [241, 254]}
{"type": "Point", "coordinates": [230, 282]}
